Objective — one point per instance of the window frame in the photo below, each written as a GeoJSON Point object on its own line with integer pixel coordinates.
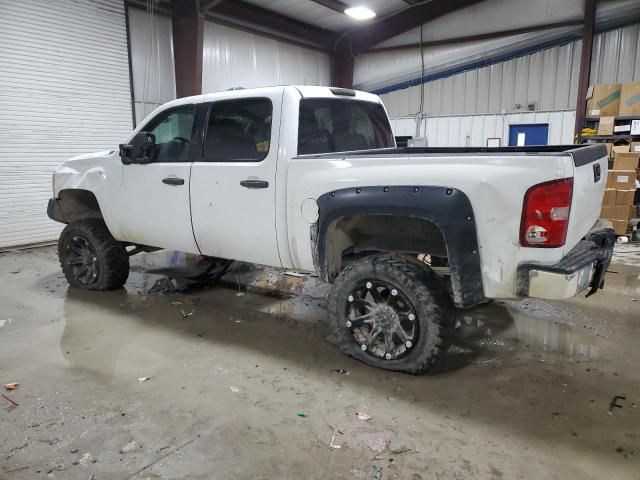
{"type": "Point", "coordinates": [205, 130]}
{"type": "Point", "coordinates": [167, 112]}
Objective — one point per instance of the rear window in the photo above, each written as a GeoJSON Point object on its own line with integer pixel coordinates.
{"type": "Point", "coordinates": [339, 125]}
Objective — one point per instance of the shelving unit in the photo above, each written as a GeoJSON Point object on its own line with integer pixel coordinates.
{"type": "Point", "coordinates": [592, 122]}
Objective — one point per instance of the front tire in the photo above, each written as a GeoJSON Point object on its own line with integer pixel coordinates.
{"type": "Point", "coordinates": [389, 312]}
{"type": "Point", "coordinates": [91, 258]}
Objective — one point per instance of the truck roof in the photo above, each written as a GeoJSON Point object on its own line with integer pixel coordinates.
{"type": "Point", "coordinates": [306, 91]}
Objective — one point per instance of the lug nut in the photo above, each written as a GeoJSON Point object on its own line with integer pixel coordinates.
{"type": "Point", "coordinates": [408, 344]}
{"type": "Point", "coordinates": [387, 356]}
{"type": "Point", "coordinates": [394, 292]}
{"type": "Point", "coordinates": [348, 324]}
{"type": "Point", "coordinates": [412, 317]}
{"type": "Point", "coordinates": [369, 285]}
{"type": "Point", "coordinates": [363, 347]}
{"type": "Point", "coordinates": [350, 298]}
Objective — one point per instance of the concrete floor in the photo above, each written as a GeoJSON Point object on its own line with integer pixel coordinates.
{"type": "Point", "coordinates": [525, 391]}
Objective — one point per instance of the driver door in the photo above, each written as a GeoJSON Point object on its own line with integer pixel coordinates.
{"type": "Point", "coordinates": [154, 197]}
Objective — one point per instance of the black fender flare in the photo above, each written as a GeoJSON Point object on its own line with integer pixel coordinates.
{"type": "Point", "coordinates": [447, 208]}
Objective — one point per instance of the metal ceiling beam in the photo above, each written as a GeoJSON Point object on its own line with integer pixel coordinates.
{"type": "Point", "coordinates": [363, 38]}
{"type": "Point", "coordinates": [585, 62]}
{"type": "Point", "coordinates": [260, 20]}
{"type": "Point", "coordinates": [335, 5]}
{"type": "Point", "coordinates": [188, 32]}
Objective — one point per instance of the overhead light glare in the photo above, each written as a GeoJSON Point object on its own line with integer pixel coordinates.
{"type": "Point", "coordinates": [360, 13]}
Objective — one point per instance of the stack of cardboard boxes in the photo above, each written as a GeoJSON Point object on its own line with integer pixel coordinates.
{"type": "Point", "coordinates": [617, 203]}
{"type": "Point", "coordinates": [609, 102]}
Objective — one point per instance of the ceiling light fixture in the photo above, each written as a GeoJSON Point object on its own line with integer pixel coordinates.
{"type": "Point", "coordinates": [360, 13]}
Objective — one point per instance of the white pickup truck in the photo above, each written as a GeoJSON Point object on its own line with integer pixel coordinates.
{"type": "Point", "coordinates": [309, 178]}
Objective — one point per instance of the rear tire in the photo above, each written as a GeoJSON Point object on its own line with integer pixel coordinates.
{"type": "Point", "coordinates": [406, 329]}
{"type": "Point", "coordinates": [91, 258]}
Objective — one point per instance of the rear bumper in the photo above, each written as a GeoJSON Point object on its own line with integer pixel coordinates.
{"type": "Point", "coordinates": [584, 267]}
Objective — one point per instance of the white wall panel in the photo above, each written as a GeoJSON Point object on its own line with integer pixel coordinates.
{"type": "Point", "coordinates": [548, 78]}
{"type": "Point", "coordinates": [64, 91]}
{"type": "Point", "coordinates": [233, 58]}
{"type": "Point", "coordinates": [473, 130]}
{"type": "Point", "coordinates": [152, 61]}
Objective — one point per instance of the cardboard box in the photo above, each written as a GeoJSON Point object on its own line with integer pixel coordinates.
{"type": "Point", "coordinates": [615, 212]}
{"type": "Point", "coordinates": [605, 126]}
{"type": "Point", "coordinates": [625, 197]}
{"type": "Point", "coordinates": [626, 161]}
{"type": "Point", "coordinates": [603, 100]}
{"type": "Point", "coordinates": [609, 146]}
{"type": "Point", "coordinates": [609, 197]}
{"type": "Point", "coordinates": [629, 99]}
{"type": "Point", "coordinates": [621, 179]}
{"type": "Point", "coordinates": [635, 147]}
{"type": "Point", "coordinates": [620, 146]}
{"type": "Point", "coordinates": [620, 226]}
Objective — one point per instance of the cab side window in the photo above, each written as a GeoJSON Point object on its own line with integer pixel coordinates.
{"type": "Point", "coordinates": [173, 131]}
{"type": "Point", "coordinates": [238, 130]}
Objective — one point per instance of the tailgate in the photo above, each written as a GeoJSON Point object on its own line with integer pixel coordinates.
{"type": "Point", "coordinates": [589, 180]}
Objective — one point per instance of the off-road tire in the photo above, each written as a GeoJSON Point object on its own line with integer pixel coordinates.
{"type": "Point", "coordinates": [112, 258]}
{"type": "Point", "coordinates": [425, 292]}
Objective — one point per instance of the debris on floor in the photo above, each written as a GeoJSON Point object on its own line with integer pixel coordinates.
{"type": "Point", "coordinates": [332, 444]}
{"type": "Point", "coordinates": [143, 379]}
{"type": "Point", "coordinates": [234, 389]}
{"type": "Point", "coordinates": [364, 416]}
{"type": "Point", "coordinates": [302, 414]}
{"type": "Point", "coordinates": [186, 314]}
{"type": "Point", "coordinates": [295, 274]}
{"type": "Point", "coordinates": [378, 444]}
{"type": "Point", "coordinates": [614, 403]}
{"type": "Point", "coordinates": [13, 402]}
{"type": "Point", "coordinates": [11, 386]}
{"type": "Point", "coordinates": [132, 446]}
{"type": "Point", "coordinates": [341, 371]}
{"type": "Point", "coordinates": [5, 321]}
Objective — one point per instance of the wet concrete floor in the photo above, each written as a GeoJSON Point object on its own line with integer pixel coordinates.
{"type": "Point", "coordinates": [244, 383]}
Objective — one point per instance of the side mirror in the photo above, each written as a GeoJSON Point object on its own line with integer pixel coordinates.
{"type": "Point", "coordinates": [139, 150]}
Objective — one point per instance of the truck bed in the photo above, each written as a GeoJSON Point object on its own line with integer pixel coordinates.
{"type": "Point", "coordinates": [582, 154]}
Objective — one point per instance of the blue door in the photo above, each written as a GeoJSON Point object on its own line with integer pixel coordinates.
{"type": "Point", "coordinates": [528, 134]}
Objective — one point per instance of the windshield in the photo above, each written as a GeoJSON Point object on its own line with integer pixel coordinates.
{"type": "Point", "coordinates": [329, 125]}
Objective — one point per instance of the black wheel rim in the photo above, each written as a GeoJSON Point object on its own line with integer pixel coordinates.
{"type": "Point", "coordinates": [82, 260]}
{"type": "Point", "coordinates": [381, 320]}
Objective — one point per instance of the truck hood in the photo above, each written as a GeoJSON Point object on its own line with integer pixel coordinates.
{"type": "Point", "coordinates": [90, 156]}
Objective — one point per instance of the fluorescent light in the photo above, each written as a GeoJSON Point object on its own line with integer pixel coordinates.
{"type": "Point", "coordinates": [360, 13]}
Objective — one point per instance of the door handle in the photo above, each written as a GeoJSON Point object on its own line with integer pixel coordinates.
{"type": "Point", "coordinates": [173, 181]}
{"type": "Point", "coordinates": [254, 183]}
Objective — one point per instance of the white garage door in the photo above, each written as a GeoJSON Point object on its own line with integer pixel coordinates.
{"type": "Point", "coordinates": [64, 91]}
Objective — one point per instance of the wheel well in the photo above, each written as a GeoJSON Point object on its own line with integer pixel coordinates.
{"type": "Point", "coordinates": [350, 236]}
{"type": "Point", "coordinates": [78, 205]}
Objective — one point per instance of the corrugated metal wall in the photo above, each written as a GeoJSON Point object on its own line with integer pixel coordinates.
{"type": "Point", "coordinates": [152, 61]}
{"type": "Point", "coordinates": [233, 58]}
{"type": "Point", "coordinates": [473, 130]}
{"type": "Point", "coordinates": [547, 79]}
{"type": "Point", "coordinates": [64, 91]}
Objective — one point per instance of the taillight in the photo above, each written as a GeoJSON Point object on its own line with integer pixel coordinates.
{"type": "Point", "coordinates": [545, 214]}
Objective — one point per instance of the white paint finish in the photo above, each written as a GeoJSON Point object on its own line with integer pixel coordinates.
{"type": "Point", "coordinates": [152, 61]}
{"type": "Point", "coordinates": [272, 229]}
{"type": "Point", "coordinates": [233, 58]}
{"type": "Point", "coordinates": [494, 184]}
{"type": "Point", "coordinates": [64, 90]}
{"type": "Point", "coordinates": [151, 212]}
{"type": "Point", "coordinates": [229, 220]}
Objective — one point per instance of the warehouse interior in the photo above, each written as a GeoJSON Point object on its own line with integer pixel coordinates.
{"type": "Point", "coordinates": [171, 378]}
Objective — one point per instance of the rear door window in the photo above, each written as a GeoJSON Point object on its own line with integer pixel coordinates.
{"type": "Point", "coordinates": [238, 130]}
{"type": "Point", "coordinates": [339, 125]}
